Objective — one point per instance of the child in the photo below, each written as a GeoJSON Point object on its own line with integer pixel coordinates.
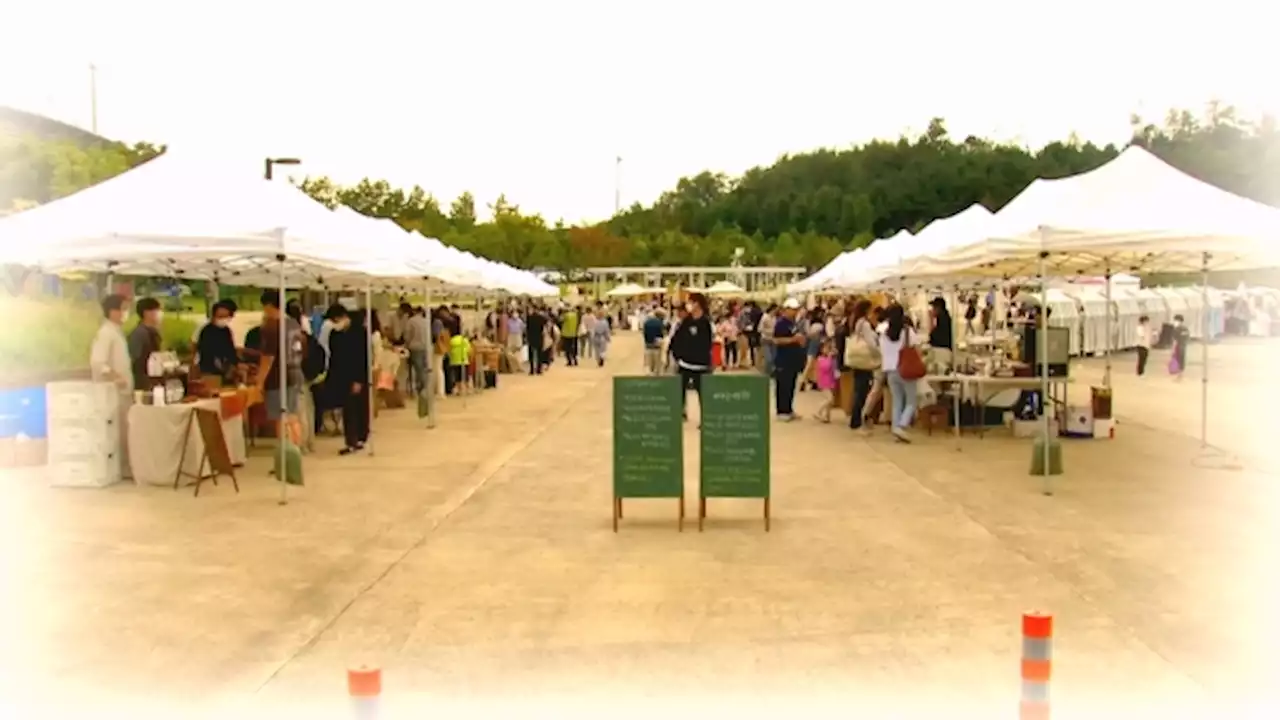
{"type": "Point", "coordinates": [1144, 343]}
{"type": "Point", "coordinates": [459, 360]}
{"type": "Point", "coordinates": [828, 379]}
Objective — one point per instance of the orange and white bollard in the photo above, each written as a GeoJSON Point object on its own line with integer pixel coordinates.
{"type": "Point", "coordinates": [364, 685]}
{"type": "Point", "coordinates": [1037, 658]}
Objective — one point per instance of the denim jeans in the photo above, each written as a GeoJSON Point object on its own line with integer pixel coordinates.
{"type": "Point", "coordinates": [904, 399]}
{"type": "Point", "coordinates": [418, 370]}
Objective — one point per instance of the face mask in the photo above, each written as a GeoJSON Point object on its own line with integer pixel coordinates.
{"type": "Point", "coordinates": [221, 322]}
{"type": "Point", "coordinates": [159, 316]}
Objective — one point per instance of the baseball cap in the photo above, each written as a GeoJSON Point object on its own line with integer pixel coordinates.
{"type": "Point", "coordinates": [791, 304]}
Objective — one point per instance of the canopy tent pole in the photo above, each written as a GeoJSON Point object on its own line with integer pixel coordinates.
{"type": "Point", "coordinates": [368, 329]}
{"type": "Point", "coordinates": [429, 383]}
{"type": "Point", "coordinates": [1204, 352]}
{"type": "Point", "coordinates": [1042, 349]}
{"type": "Point", "coordinates": [1106, 348]}
{"type": "Point", "coordinates": [281, 365]}
{"type": "Point", "coordinates": [214, 294]}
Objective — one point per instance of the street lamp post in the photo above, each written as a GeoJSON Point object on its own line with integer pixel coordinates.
{"type": "Point", "coordinates": [272, 162]}
{"type": "Point", "coordinates": [617, 185]}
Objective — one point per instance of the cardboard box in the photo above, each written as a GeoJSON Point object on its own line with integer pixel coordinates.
{"type": "Point", "coordinates": [1031, 428]}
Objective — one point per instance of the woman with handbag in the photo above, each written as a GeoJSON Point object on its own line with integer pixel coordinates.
{"type": "Point", "coordinates": [902, 365]}
{"type": "Point", "coordinates": [862, 356]}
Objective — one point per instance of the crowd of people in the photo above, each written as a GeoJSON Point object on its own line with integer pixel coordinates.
{"type": "Point", "coordinates": [849, 349]}
{"type": "Point", "coordinates": [346, 363]}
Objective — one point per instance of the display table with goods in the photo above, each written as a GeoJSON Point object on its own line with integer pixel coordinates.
{"type": "Point", "coordinates": [165, 443]}
{"type": "Point", "coordinates": [993, 386]}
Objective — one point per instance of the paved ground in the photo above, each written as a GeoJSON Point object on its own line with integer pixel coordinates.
{"type": "Point", "coordinates": [475, 564]}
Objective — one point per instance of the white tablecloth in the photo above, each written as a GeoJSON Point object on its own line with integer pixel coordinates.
{"type": "Point", "coordinates": [157, 434]}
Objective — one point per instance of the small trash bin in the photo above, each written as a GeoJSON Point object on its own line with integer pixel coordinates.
{"type": "Point", "coordinates": [1100, 398]}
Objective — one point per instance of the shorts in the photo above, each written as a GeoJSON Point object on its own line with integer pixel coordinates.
{"type": "Point", "coordinates": [290, 400]}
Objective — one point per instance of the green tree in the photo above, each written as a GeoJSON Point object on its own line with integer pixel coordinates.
{"type": "Point", "coordinates": [462, 213]}
{"type": "Point", "coordinates": [804, 209]}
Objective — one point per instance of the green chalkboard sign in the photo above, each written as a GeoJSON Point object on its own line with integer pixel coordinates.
{"type": "Point", "coordinates": [648, 438]}
{"type": "Point", "coordinates": [735, 439]}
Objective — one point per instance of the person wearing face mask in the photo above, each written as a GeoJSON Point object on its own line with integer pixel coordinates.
{"type": "Point", "coordinates": [216, 348]}
{"type": "Point", "coordinates": [144, 340]}
{"type": "Point", "coordinates": [691, 347]}
{"type": "Point", "coordinates": [323, 393]}
{"type": "Point", "coordinates": [109, 360]}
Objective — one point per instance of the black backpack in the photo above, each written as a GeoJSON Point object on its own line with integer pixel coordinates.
{"type": "Point", "coordinates": [315, 361]}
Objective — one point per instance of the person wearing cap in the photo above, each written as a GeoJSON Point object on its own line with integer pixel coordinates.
{"type": "Point", "coordinates": [788, 359]}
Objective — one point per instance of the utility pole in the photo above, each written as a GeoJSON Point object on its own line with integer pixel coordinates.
{"type": "Point", "coordinates": [617, 186]}
{"type": "Point", "coordinates": [93, 98]}
{"type": "Point", "coordinates": [272, 162]}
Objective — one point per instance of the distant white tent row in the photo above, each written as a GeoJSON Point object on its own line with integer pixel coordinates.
{"type": "Point", "coordinates": [177, 217]}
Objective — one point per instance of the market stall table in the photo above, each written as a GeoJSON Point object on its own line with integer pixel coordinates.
{"type": "Point", "coordinates": [973, 386]}
{"type": "Point", "coordinates": [164, 440]}
{"type": "Point", "coordinates": [977, 383]}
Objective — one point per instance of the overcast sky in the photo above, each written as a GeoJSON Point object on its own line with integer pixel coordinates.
{"type": "Point", "coordinates": [535, 98]}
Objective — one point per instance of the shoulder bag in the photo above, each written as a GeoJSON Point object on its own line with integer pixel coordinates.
{"type": "Point", "coordinates": [910, 364]}
{"type": "Point", "coordinates": [860, 354]}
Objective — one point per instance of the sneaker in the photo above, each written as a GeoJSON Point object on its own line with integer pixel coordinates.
{"type": "Point", "coordinates": [347, 451]}
{"type": "Point", "coordinates": [787, 418]}
{"type": "Point", "coordinates": [901, 436]}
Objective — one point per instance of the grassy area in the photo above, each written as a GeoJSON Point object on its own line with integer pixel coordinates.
{"type": "Point", "coordinates": [54, 335]}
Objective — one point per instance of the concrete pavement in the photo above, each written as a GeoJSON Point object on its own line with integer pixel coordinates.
{"type": "Point", "coordinates": [475, 564]}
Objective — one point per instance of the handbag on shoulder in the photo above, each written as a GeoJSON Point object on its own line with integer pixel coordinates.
{"type": "Point", "coordinates": [910, 364]}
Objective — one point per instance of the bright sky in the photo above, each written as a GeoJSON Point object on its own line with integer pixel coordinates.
{"type": "Point", "coordinates": [535, 98]}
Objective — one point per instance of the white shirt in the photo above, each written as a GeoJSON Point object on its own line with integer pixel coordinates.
{"type": "Point", "coordinates": [889, 349]}
{"type": "Point", "coordinates": [1144, 336]}
{"type": "Point", "coordinates": [110, 354]}
{"type": "Point", "coordinates": [326, 331]}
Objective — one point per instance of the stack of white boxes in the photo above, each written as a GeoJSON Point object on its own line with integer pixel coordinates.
{"type": "Point", "coordinates": [84, 434]}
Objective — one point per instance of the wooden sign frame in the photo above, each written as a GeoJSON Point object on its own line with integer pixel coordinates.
{"type": "Point", "coordinates": [732, 386]}
{"type": "Point", "coordinates": [215, 456]}
{"type": "Point", "coordinates": [671, 387]}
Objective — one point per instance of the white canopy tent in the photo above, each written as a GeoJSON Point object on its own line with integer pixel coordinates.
{"type": "Point", "coordinates": [724, 287]}
{"type": "Point", "coordinates": [881, 266]}
{"type": "Point", "coordinates": [177, 217]}
{"type": "Point", "coordinates": [843, 264]}
{"type": "Point", "coordinates": [1135, 213]}
{"type": "Point", "coordinates": [629, 290]}
{"type": "Point", "coordinates": [1093, 306]}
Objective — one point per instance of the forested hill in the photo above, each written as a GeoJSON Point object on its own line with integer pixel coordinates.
{"type": "Point", "coordinates": [808, 206]}
{"type": "Point", "coordinates": [802, 210]}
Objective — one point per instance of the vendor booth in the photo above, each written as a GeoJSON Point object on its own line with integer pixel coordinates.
{"type": "Point", "coordinates": [1135, 213]}
{"type": "Point", "coordinates": [230, 228]}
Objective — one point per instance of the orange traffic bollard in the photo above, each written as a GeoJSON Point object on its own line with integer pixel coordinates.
{"type": "Point", "coordinates": [364, 685]}
{"type": "Point", "coordinates": [1037, 659]}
